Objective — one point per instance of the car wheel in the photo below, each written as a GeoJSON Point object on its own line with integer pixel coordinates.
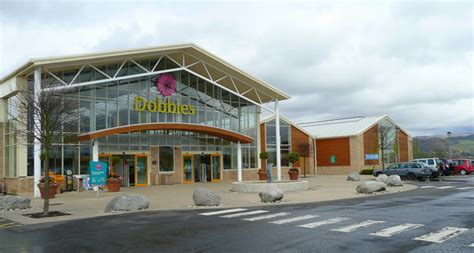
{"type": "Point", "coordinates": [463, 172]}
{"type": "Point", "coordinates": [411, 176]}
{"type": "Point", "coordinates": [421, 179]}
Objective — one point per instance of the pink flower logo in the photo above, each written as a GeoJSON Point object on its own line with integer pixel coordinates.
{"type": "Point", "coordinates": [166, 85]}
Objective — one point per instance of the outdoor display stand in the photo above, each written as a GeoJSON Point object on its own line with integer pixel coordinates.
{"type": "Point", "coordinates": [98, 175]}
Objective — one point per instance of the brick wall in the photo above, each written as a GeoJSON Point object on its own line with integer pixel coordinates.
{"type": "Point", "coordinates": [19, 185]}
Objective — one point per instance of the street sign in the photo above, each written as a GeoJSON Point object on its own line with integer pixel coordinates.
{"type": "Point", "coordinates": [98, 173]}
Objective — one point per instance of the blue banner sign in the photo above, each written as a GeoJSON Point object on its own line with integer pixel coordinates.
{"type": "Point", "coordinates": [371, 156]}
{"type": "Point", "coordinates": [98, 173]}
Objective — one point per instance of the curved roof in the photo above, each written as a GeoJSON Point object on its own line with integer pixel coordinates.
{"type": "Point", "coordinates": [214, 63]}
{"type": "Point", "coordinates": [213, 131]}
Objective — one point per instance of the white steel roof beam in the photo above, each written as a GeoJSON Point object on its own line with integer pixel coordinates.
{"type": "Point", "coordinates": [100, 71]}
{"type": "Point", "coordinates": [120, 68]}
{"type": "Point", "coordinates": [140, 66]}
{"type": "Point", "coordinates": [77, 74]}
{"type": "Point", "coordinates": [156, 64]}
{"type": "Point", "coordinates": [57, 78]}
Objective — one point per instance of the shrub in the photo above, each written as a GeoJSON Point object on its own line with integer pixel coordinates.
{"type": "Point", "coordinates": [367, 171]}
{"type": "Point", "coordinates": [263, 155]}
{"type": "Point", "coordinates": [293, 157]}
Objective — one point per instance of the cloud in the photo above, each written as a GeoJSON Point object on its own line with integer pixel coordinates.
{"type": "Point", "coordinates": [410, 61]}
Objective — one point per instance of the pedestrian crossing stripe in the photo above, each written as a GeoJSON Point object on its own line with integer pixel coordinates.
{"type": "Point", "coordinates": [445, 187]}
{"type": "Point", "coordinates": [441, 235]}
{"type": "Point", "coordinates": [223, 211]}
{"type": "Point", "coordinates": [323, 222]}
{"type": "Point", "coordinates": [388, 232]}
{"type": "Point", "coordinates": [294, 219]}
{"type": "Point", "coordinates": [243, 214]}
{"type": "Point", "coordinates": [356, 226]}
{"type": "Point", "coordinates": [465, 188]}
{"type": "Point", "coordinates": [268, 216]}
{"type": "Point", "coordinates": [472, 245]}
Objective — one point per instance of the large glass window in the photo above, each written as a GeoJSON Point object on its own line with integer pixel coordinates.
{"type": "Point", "coordinates": [285, 142]}
{"type": "Point", "coordinates": [112, 104]}
{"type": "Point", "coordinates": [166, 158]}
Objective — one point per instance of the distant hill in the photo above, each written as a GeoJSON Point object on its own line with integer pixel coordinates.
{"type": "Point", "coordinates": [437, 146]}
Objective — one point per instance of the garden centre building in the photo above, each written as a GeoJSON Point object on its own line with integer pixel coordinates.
{"type": "Point", "coordinates": [173, 114]}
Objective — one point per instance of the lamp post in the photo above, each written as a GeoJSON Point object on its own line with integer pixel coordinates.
{"type": "Point", "coordinates": [449, 145]}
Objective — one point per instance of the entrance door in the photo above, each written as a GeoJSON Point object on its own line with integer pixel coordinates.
{"type": "Point", "coordinates": [201, 168]}
{"type": "Point", "coordinates": [188, 169]}
{"type": "Point", "coordinates": [141, 170]}
{"type": "Point", "coordinates": [216, 167]}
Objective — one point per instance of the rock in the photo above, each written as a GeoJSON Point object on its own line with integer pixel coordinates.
{"type": "Point", "coordinates": [354, 176]}
{"type": "Point", "coordinates": [206, 197]}
{"type": "Point", "coordinates": [394, 180]}
{"type": "Point", "coordinates": [371, 186]}
{"type": "Point", "coordinates": [13, 202]}
{"type": "Point", "coordinates": [271, 195]}
{"type": "Point", "coordinates": [382, 178]}
{"type": "Point", "coordinates": [128, 202]}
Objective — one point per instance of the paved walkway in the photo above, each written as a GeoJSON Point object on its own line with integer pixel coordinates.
{"type": "Point", "coordinates": [172, 197]}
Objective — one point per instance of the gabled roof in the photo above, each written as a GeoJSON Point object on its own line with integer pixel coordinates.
{"type": "Point", "coordinates": [272, 117]}
{"type": "Point", "coordinates": [344, 127]}
{"type": "Point", "coordinates": [192, 51]}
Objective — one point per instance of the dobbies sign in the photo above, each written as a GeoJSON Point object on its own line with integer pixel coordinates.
{"type": "Point", "coordinates": [166, 85]}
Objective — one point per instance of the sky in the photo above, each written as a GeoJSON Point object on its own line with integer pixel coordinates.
{"type": "Point", "coordinates": [411, 61]}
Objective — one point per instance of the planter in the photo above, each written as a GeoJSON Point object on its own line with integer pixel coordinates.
{"type": "Point", "coordinates": [262, 175]}
{"type": "Point", "coordinates": [293, 175]}
{"type": "Point", "coordinates": [113, 185]}
{"type": "Point", "coordinates": [51, 191]}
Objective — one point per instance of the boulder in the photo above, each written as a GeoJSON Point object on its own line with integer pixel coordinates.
{"type": "Point", "coordinates": [206, 197]}
{"type": "Point", "coordinates": [354, 176]}
{"type": "Point", "coordinates": [370, 187]}
{"type": "Point", "coordinates": [382, 178]}
{"type": "Point", "coordinates": [13, 202]}
{"type": "Point", "coordinates": [271, 195]}
{"type": "Point", "coordinates": [394, 180]}
{"type": "Point", "coordinates": [128, 202]}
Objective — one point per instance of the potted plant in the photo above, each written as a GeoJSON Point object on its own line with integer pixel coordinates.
{"type": "Point", "coordinates": [114, 180]}
{"type": "Point", "coordinates": [293, 172]}
{"type": "Point", "coordinates": [52, 187]}
{"type": "Point", "coordinates": [262, 173]}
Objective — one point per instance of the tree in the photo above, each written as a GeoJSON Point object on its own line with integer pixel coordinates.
{"type": "Point", "coordinates": [416, 148]}
{"type": "Point", "coordinates": [385, 141]}
{"type": "Point", "coordinates": [41, 118]}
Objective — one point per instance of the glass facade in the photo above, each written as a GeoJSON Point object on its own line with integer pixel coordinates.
{"type": "Point", "coordinates": [285, 142]}
{"type": "Point", "coordinates": [113, 103]}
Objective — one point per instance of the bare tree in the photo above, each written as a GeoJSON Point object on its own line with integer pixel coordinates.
{"type": "Point", "coordinates": [386, 141]}
{"type": "Point", "coordinates": [42, 118]}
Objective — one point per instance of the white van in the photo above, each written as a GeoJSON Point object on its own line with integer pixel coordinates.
{"type": "Point", "coordinates": [431, 162]}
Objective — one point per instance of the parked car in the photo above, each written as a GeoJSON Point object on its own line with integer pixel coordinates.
{"type": "Point", "coordinates": [433, 163]}
{"type": "Point", "coordinates": [409, 170]}
{"type": "Point", "coordinates": [463, 166]}
{"type": "Point", "coordinates": [446, 167]}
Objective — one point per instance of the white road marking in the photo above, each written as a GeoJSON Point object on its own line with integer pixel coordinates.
{"type": "Point", "coordinates": [427, 186]}
{"type": "Point", "coordinates": [472, 245]}
{"type": "Point", "coordinates": [268, 216]}
{"type": "Point", "coordinates": [445, 187]}
{"type": "Point", "coordinates": [223, 211]}
{"type": "Point", "coordinates": [244, 214]}
{"type": "Point", "coordinates": [356, 226]}
{"type": "Point", "coordinates": [323, 222]}
{"type": "Point", "coordinates": [388, 232]}
{"type": "Point", "coordinates": [465, 188]}
{"type": "Point", "coordinates": [294, 219]}
{"type": "Point", "coordinates": [441, 235]}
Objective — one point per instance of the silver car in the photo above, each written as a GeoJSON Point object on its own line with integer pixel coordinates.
{"type": "Point", "coordinates": [409, 170]}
